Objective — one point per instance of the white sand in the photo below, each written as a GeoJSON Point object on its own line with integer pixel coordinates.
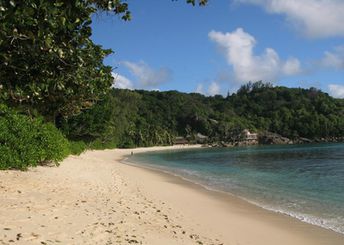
{"type": "Point", "coordinates": [96, 199]}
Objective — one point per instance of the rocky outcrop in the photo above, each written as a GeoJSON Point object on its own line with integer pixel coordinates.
{"type": "Point", "coordinates": [330, 140]}
{"type": "Point", "coordinates": [302, 140]}
{"type": "Point", "coordinates": [268, 138]}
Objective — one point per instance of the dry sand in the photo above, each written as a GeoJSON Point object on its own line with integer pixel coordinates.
{"type": "Point", "coordinates": [96, 199]}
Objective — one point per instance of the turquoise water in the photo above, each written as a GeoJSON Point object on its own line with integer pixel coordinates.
{"type": "Point", "coordinates": [303, 181]}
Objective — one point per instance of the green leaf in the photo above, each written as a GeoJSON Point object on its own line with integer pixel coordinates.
{"type": "Point", "coordinates": [58, 4]}
{"type": "Point", "coordinates": [63, 20]}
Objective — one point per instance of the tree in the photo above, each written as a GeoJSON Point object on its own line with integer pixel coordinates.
{"type": "Point", "coordinates": [200, 2]}
{"type": "Point", "coordinates": [48, 62]}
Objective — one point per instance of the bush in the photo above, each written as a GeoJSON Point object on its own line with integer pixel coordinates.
{"type": "Point", "coordinates": [77, 147]}
{"type": "Point", "coordinates": [100, 145]}
{"type": "Point", "coordinates": [28, 142]}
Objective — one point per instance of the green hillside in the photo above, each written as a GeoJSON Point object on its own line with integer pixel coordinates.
{"type": "Point", "coordinates": [128, 118]}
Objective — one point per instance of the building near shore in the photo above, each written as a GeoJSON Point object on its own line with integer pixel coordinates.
{"type": "Point", "coordinates": [179, 140]}
{"type": "Point", "coordinates": [249, 138]}
{"type": "Point", "coordinates": [201, 139]}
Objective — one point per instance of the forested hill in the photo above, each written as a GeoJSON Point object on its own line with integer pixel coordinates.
{"type": "Point", "coordinates": [128, 118]}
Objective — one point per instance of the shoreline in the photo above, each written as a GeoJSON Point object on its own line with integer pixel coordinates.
{"type": "Point", "coordinates": [198, 185]}
{"type": "Point", "coordinates": [229, 199]}
{"type": "Point", "coordinates": [95, 198]}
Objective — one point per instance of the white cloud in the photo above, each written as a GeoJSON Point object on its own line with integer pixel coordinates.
{"type": "Point", "coordinates": [314, 18]}
{"type": "Point", "coordinates": [147, 76]}
{"type": "Point", "coordinates": [292, 66]}
{"type": "Point", "coordinates": [334, 59]}
{"type": "Point", "coordinates": [121, 82]}
{"type": "Point", "coordinates": [238, 49]}
{"type": "Point", "coordinates": [336, 90]}
{"type": "Point", "coordinates": [199, 89]}
{"type": "Point", "coordinates": [213, 89]}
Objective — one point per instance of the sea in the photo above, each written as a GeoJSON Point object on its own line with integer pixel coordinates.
{"type": "Point", "coordinates": [302, 181]}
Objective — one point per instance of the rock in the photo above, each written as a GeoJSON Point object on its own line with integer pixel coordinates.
{"type": "Point", "coordinates": [268, 138]}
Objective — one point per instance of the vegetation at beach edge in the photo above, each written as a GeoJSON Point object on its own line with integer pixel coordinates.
{"type": "Point", "coordinates": [27, 142]}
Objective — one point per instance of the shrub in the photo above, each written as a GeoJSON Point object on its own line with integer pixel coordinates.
{"type": "Point", "coordinates": [100, 145]}
{"type": "Point", "coordinates": [55, 145]}
{"type": "Point", "coordinates": [77, 147]}
{"type": "Point", "coordinates": [28, 142]}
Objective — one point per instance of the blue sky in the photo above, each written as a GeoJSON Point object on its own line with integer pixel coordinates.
{"type": "Point", "coordinates": [170, 45]}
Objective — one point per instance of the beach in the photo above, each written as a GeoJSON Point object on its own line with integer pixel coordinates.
{"type": "Point", "coordinates": [96, 198]}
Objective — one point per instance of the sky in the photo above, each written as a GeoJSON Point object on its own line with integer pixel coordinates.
{"type": "Point", "coordinates": [170, 45]}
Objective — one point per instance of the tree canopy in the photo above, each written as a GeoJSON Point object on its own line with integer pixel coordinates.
{"type": "Point", "coordinates": [48, 62]}
{"type": "Point", "coordinates": [146, 118]}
